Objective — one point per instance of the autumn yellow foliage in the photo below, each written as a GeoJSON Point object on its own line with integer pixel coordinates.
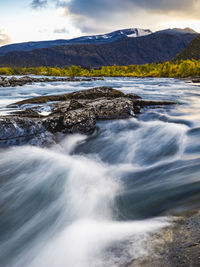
{"type": "Point", "coordinates": [179, 69]}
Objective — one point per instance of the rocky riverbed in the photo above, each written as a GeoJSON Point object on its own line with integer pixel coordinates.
{"type": "Point", "coordinates": [76, 112]}
{"type": "Point", "coordinates": [177, 245]}
{"type": "Point", "coordinates": [20, 81]}
{"type": "Point", "coordinates": [128, 186]}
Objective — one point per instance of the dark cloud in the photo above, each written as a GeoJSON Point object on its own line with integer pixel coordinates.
{"type": "Point", "coordinates": [4, 38]}
{"type": "Point", "coordinates": [95, 16]}
{"type": "Point", "coordinates": [94, 8]}
{"type": "Point", "coordinates": [38, 4]}
{"type": "Point", "coordinates": [168, 5]}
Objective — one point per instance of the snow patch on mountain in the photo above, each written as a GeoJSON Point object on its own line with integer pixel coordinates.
{"type": "Point", "coordinates": [139, 32]}
{"type": "Point", "coordinates": [133, 32]}
{"type": "Point", "coordinates": [92, 39]}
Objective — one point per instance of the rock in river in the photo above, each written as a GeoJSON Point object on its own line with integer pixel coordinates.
{"type": "Point", "coordinates": [20, 81]}
{"type": "Point", "coordinates": [76, 112]}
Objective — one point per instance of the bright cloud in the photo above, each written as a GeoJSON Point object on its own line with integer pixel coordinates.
{"type": "Point", "coordinates": [34, 20]}
{"type": "Point", "coordinates": [4, 38]}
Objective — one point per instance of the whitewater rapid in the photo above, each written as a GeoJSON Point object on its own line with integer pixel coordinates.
{"type": "Point", "coordinates": [62, 211]}
{"type": "Point", "coordinates": [95, 201]}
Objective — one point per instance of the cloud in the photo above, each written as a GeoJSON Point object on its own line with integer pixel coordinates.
{"type": "Point", "coordinates": [102, 15]}
{"type": "Point", "coordinates": [98, 16]}
{"type": "Point", "coordinates": [4, 38]}
{"type": "Point", "coordinates": [36, 4]}
{"type": "Point", "coordinates": [61, 30]}
{"type": "Point", "coordinates": [95, 8]}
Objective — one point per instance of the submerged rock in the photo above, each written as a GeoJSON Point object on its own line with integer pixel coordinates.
{"type": "Point", "coordinates": [76, 112]}
{"type": "Point", "coordinates": [177, 245]}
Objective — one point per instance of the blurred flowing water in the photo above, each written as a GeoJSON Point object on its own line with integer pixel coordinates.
{"type": "Point", "coordinates": [94, 201]}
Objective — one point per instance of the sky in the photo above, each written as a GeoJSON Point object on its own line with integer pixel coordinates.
{"type": "Point", "coordinates": [35, 20]}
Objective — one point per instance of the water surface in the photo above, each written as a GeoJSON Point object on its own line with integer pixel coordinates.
{"type": "Point", "coordinates": [94, 201]}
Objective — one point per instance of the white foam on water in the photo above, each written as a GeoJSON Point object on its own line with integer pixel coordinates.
{"type": "Point", "coordinates": [84, 243]}
{"type": "Point", "coordinates": [84, 193]}
{"type": "Point", "coordinates": [61, 206]}
{"type": "Point", "coordinates": [143, 143]}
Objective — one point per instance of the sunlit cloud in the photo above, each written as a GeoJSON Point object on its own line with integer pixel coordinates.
{"type": "Point", "coordinates": [36, 20]}
{"type": "Point", "coordinates": [4, 38]}
{"type": "Point", "coordinates": [95, 16]}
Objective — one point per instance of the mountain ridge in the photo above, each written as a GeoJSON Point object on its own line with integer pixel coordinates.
{"type": "Point", "coordinates": [192, 51]}
{"type": "Point", "coordinates": [154, 47]}
{"type": "Point", "coordinates": [101, 38]}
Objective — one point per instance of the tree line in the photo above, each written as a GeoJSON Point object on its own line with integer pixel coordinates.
{"type": "Point", "coordinates": [170, 69]}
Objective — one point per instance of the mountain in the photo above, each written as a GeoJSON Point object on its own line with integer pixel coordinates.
{"type": "Point", "coordinates": [154, 47]}
{"type": "Point", "coordinates": [192, 51]}
{"type": "Point", "coordinates": [93, 39]}
{"type": "Point", "coordinates": [178, 31]}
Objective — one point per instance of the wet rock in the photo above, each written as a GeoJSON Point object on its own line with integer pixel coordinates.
{"type": "Point", "coordinates": [177, 245]}
{"type": "Point", "coordinates": [27, 113]}
{"type": "Point", "coordinates": [17, 131]}
{"type": "Point", "coordinates": [196, 80]}
{"type": "Point", "coordinates": [133, 96]}
{"type": "Point", "coordinates": [16, 81]}
{"type": "Point", "coordinates": [68, 119]}
{"type": "Point", "coordinates": [193, 79]}
{"type": "Point", "coordinates": [90, 94]}
{"type": "Point", "coordinates": [184, 247]}
{"type": "Point", "coordinates": [148, 103]}
{"type": "Point", "coordinates": [74, 105]}
{"type": "Point", "coordinates": [76, 112]}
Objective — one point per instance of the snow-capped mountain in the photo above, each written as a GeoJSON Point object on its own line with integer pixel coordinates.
{"type": "Point", "coordinates": [122, 47]}
{"type": "Point", "coordinates": [134, 32]}
{"type": "Point", "coordinates": [93, 39]}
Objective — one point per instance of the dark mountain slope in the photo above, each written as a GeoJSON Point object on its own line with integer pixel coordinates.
{"type": "Point", "coordinates": [93, 39]}
{"type": "Point", "coordinates": [192, 51]}
{"type": "Point", "coordinates": [160, 46]}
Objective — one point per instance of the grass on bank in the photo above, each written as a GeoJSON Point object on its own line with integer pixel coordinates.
{"type": "Point", "coordinates": [178, 69]}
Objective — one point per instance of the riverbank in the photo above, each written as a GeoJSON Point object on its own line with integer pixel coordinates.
{"type": "Point", "coordinates": [177, 245]}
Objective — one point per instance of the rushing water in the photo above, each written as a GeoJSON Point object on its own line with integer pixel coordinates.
{"type": "Point", "coordinates": [94, 201]}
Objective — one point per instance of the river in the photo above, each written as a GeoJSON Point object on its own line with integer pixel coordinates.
{"type": "Point", "coordinates": [95, 201]}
